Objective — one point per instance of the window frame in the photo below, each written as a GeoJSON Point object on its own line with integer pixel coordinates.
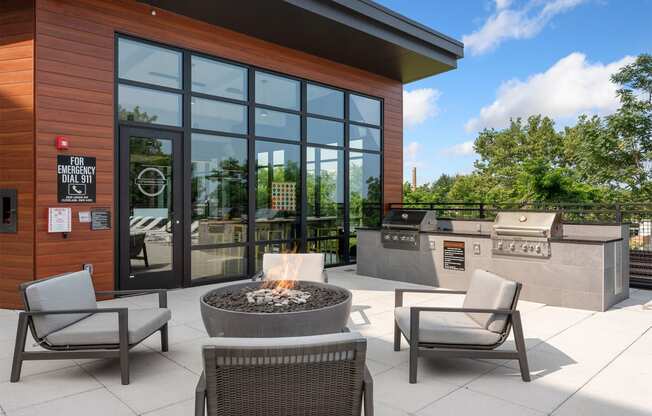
{"type": "Point", "coordinates": [186, 128]}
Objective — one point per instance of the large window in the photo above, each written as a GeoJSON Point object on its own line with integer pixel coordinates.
{"type": "Point", "coordinates": [273, 163]}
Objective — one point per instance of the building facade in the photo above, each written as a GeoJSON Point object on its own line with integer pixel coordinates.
{"type": "Point", "coordinates": [183, 140]}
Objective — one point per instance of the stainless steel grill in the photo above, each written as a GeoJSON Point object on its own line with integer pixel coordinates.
{"type": "Point", "coordinates": [400, 228]}
{"type": "Point", "coordinates": [525, 233]}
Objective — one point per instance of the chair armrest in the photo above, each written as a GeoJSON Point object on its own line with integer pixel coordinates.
{"type": "Point", "coordinates": [69, 311]}
{"type": "Point", "coordinates": [162, 294]}
{"type": "Point", "coordinates": [258, 276]}
{"type": "Point", "coordinates": [200, 395]}
{"type": "Point", "coordinates": [368, 392]}
{"type": "Point", "coordinates": [419, 309]}
{"type": "Point", "coordinates": [398, 293]}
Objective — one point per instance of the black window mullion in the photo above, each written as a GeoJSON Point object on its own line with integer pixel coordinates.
{"type": "Point", "coordinates": [345, 243]}
{"type": "Point", "coordinates": [303, 193]}
{"type": "Point", "coordinates": [252, 175]}
{"type": "Point", "coordinates": [187, 169]}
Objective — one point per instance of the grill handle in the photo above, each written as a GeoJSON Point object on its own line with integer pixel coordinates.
{"type": "Point", "coordinates": [521, 232]}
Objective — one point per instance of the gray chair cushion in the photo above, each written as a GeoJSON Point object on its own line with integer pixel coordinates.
{"type": "Point", "coordinates": [102, 328]}
{"type": "Point", "coordinates": [490, 291]}
{"type": "Point", "coordinates": [285, 342]}
{"type": "Point", "coordinates": [68, 291]}
{"type": "Point", "coordinates": [446, 328]}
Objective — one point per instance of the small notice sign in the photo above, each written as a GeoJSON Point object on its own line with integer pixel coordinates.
{"type": "Point", "coordinates": [100, 219]}
{"type": "Point", "coordinates": [76, 178]}
{"type": "Point", "coordinates": [454, 255]}
{"type": "Point", "coordinates": [59, 220]}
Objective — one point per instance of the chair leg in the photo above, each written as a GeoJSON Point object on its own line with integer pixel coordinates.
{"type": "Point", "coordinates": [19, 348]}
{"type": "Point", "coordinates": [397, 337]}
{"type": "Point", "coordinates": [124, 347]}
{"type": "Point", "coordinates": [520, 346]}
{"type": "Point", "coordinates": [124, 366]}
{"type": "Point", "coordinates": [164, 338]}
{"type": "Point", "coordinates": [414, 345]}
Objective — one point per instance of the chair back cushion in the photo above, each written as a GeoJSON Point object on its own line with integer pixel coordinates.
{"type": "Point", "coordinates": [490, 291]}
{"type": "Point", "coordinates": [290, 266]}
{"type": "Point", "coordinates": [313, 375]}
{"type": "Point", "coordinates": [68, 291]}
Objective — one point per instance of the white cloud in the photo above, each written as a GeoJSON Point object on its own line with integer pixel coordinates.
{"type": "Point", "coordinates": [570, 87]}
{"type": "Point", "coordinates": [419, 105]}
{"type": "Point", "coordinates": [411, 154]}
{"type": "Point", "coordinates": [515, 23]}
{"type": "Point", "coordinates": [460, 149]}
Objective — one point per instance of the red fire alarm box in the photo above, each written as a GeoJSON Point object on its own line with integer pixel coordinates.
{"type": "Point", "coordinates": [62, 143]}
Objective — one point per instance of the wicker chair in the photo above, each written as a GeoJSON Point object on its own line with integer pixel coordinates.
{"type": "Point", "coordinates": [321, 375]}
{"type": "Point", "coordinates": [62, 314]}
{"type": "Point", "coordinates": [302, 266]}
{"type": "Point", "coordinates": [475, 330]}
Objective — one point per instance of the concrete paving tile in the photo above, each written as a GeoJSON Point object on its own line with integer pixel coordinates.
{"type": "Point", "coordinates": [95, 402]}
{"type": "Point", "coordinates": [392, 388]}
{"type": "Point", "coordinates": [176, 335]}
{"type": "Point", "coordinates": [186, 407]}
{"type": "Point", "coordinates": [32, 367]}
{"type": "Point", "coordinates": [464, 402]}
{"type": "Point", "coordinates": [41, 388]}
{"type": "Point", "coordinates": [457, 371]}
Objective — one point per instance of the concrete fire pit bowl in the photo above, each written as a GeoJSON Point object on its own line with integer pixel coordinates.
{"type": "Point", "coordinates": [222, 322]}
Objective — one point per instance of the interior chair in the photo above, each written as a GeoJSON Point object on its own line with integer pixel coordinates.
{"type": "Point", "coordinates": [293, 266]}
{"type": "Point", "coordinates": [63, 316]}
{"type": "Point", "coordinates": [475, 330]}
{"type": "Point", "coordinates": [321, 375]}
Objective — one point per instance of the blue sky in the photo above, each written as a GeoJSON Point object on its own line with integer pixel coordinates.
{"type": "Point", "coordinates": [521, 57]}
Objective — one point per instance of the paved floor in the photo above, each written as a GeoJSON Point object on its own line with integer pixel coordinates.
{"type": "Point", "coordinates": [583, 363]}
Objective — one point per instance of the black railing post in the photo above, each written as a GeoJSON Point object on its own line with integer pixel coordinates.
{"type": "Point", "coordinates": [482, 210]}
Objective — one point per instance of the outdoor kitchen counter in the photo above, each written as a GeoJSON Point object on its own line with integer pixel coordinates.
{"type": "Point", "coordinates": [588, 267]}
{"type": "Point", "coordinates": [571, 239]}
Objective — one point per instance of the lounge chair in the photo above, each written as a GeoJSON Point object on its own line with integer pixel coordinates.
{"type": "Point", "coordinates": [321, 375]}
{"type": "Point", "coordinates": [293, 266]}
{"type": "Point", "coordinates": [62, 314]}
{"type": "Point", "coordinates": [475, 330]}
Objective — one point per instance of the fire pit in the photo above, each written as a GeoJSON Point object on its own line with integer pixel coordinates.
{"type": "Point", "coordinates": [275, 308]}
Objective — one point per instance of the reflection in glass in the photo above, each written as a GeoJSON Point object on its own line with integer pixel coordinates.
{"type": "Point", "coordinates": [277, 91]}
{"type": "Point", "coordinates": [143, 62]}
{"type": "Point", "coordinates": [217, 78]}
{"type": "Point", "coordinates": [282, 247]}
{"type": "Point", "coordinates": [325, 132]}
{"type": "Point", "coordinates": [219, 189]}
{"type": "Point", "coordinates": [277, 125]}
{"type": "Point", "coordinates": [364, 189]}
{"type": "Point", "coordinates": [277, 190]}
{"type": "Point", "coordinates": [150, 204]}
{"type": "Point", "coordinates": [332, 249]}
{"type": "Point", "coordinates": [218, 115]}
{"type": "Point", "coordinates": [364, 110]}
{"type": "Point", "coordinates": [217, 262]}
{"type": "Point", "coordinates": [325, 183]}
{"type": "Point", "coordinates": [325, 101]}
{"type": "Point", "coordinates": [149, 106]}
{"type": "Point", "coordinates": [364, 138]}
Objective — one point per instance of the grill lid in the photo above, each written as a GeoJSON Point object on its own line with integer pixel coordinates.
{"type": "Point", "coordinates": [527, 224]}
{"type": "Point", "coordinates": [424, 220]}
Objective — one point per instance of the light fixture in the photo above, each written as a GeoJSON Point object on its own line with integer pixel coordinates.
{"type": "Point", "coordinates": [153, 12]}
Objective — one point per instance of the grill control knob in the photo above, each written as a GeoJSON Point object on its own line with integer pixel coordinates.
{"type": "Point", "coordinates": [525, 247]}
{"type": "Point", "coordinates": [500, 245]}
{"type": "Point", "coordinates": [538, 249]}
{"type": "Point", "coordinates": [512, 246]}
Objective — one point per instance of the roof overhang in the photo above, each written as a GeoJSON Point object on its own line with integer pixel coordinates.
{"type": "Point", "coordinates": [358, 33]}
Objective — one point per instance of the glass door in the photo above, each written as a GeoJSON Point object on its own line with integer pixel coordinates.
{"type": "Point", "coordinates": [151, 232]}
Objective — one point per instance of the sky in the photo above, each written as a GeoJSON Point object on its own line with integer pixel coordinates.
{"type": "Point", "coordinates": [522, 57]}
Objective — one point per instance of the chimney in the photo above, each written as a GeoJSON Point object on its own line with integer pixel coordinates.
{"type": "Point", "coordinates": [414, 178]}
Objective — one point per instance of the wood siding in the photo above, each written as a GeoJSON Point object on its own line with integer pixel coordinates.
{"type": "Point", "coordinates": [74, 97]}
{"type": "Point", "coordinates": [17, 143]}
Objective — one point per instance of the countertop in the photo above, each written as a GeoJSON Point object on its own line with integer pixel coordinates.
{"type": "Point", "coordinates": [574, 239]}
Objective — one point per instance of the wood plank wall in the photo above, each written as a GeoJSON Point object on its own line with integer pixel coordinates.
{"type": "Point", "coordinates": [17, 142]}
{"type": "Point", "coordinates": [74, 97]}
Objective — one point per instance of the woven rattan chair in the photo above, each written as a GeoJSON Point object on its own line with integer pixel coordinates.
{"type": "Point", "coordinates": [474, 331]}
{"type": "Point", "coordinates": [62, 314]}
{"type": "Point", "coordinates": [293, 266]}
{"type": "Point", "coordinates": [321, 375]}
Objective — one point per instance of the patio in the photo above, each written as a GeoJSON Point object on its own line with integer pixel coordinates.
{"type": "Point", "coordinates": [582, 362]}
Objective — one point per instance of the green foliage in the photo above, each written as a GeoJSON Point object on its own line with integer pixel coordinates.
{"type": "Point", "coordinates": [599, 159]}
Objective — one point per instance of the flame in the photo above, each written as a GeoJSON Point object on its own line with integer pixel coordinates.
{"type": "Point", "coordinates": [284, 275]}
